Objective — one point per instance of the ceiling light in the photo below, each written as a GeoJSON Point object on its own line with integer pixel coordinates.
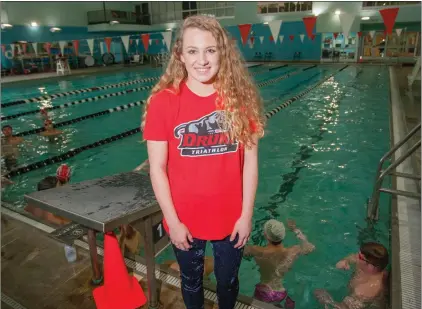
{"type": "Point", "coordinates": [266, 23]}
{"type": "Point", "coordinates": [168, 29]}
{"type": "Point", "coordinates": [4, 26]}
{"type": "Point", "coordinates": [337, 12]}
{"type": "Point", "coordinates": [34, 24]}
{"type": "Point", "coordinates": [365, 18]}
{"type": "Point", "coordinates": [55, 29]}
{"type": "Point", "coordinates": [113, 22]}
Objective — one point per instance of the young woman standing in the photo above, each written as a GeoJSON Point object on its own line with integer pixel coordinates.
{"type": "Point", "coordinates": [202, 123]}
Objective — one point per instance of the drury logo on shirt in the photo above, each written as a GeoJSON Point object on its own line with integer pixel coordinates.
{"type": "Point", "coordinates": [204, 137]}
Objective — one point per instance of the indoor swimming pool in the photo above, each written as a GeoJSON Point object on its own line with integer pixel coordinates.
{"type": "Point", "coordinates": [317, 161]}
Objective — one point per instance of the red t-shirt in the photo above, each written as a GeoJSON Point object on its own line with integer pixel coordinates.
{"type": "Point", "coordinates": [204, 170]}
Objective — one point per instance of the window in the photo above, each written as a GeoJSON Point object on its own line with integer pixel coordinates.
{"type": "Point", "coordinates": [284, 7]}
{"type": "Point", "coordinates": [386, 3]}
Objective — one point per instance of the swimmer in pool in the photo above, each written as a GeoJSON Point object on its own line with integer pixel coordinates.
{"type": "Point", "coordinates": [48, 182]}
{"type": "Point", "coordinates": [9, 147]}
{"type": "Point", "coordinates": [63, 173]}
{"type": "Point", "coordinates": [50, 131]}
{"type": "Point", "coordinates": [369, 284]}
{"type": "Point", "coordinates": [275, 260]}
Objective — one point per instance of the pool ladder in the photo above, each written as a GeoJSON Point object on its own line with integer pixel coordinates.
{"type": "Point", "coordinates": [373, 202]}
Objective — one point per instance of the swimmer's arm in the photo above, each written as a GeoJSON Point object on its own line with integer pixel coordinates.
{"type": "Point", "coordinates": [157, 156]}
{"type": "Point", "coordinates": [305, 247]}
{"type": "Point", "coordinates": [345, 262]}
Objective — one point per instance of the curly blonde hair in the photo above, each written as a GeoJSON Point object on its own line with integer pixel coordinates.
{"type": "Point", "coordinates": [240, 98]}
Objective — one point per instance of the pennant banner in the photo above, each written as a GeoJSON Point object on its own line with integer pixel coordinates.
{"type": "Point", "coordinates": [261, 38]}
{"type": "Point", "coordinates": [244, 32]}
{"type": "Point", "coordinates": [389, 17]}
{"type": "Point", "coordinates": [145, 41]}
{"type": "Point", "coordinates": [91, 46]}
{"type": "Point", "coordinates": [275, 26]}
{"type": "Point", "coordinates": [250, 44]}
{"type": "Point", "coordinates": [302, 37]}
{"type": "Point", "coordinates": [75, 44]}
{"type": "Point", "coordinates": [346, 21]}
{"type": "Point", "coordinates": [62, 45]}
{"type": "Point", "coordinates": [108, 43]}
{"type": "Point", "coordinates": [150, 42]}
{"type": "Point", "coordinates": [359, 34]}
{"type": "Point", "coordinates": [291, 37]}
{"type": "Point", "coordinates": [335, 35]}
{"type": "Point", "coordinates": [252, 39]}
{"type": "Point", "coordinates": [137, 42]}
{"type": "Point", "coordinates": [167, 38]}
{"type": "Point", "coordinates": [271, 38]}
{"type": "Point", "coordinates": [398, 31]}
{"type": "Point", "coordinates": [309, 22]}
{"type": "Point", "coordinates": [313, 37]}
{"type": "Point", "coordinates": [125, 41]}
{"type": "Point", "coordinates": [281, 38]}
{"type": "Point", "coordinates": [35, 47]}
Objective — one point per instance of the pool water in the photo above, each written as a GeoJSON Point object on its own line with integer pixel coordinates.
{"type": "Point", "coordinates": [317, 163]}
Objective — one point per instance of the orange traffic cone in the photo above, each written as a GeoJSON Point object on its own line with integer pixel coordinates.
{"type": "Point", "coordinates": [120, 291]}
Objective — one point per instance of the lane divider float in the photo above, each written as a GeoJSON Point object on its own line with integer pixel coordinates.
{"type": "Point", "coordinates": [89, 116]}
{"type": "Point", "coordinates": [74, 92]}
{"type": "Point", "coordinates": [65, 156]}
{"type": "Point", "coordinates": [96, 98]}
{"type": "Point", "coordinates": [274, 111]}
{"type": "Point", "coordinates": [279, 67]}
{"type": "Point", "coordinates": [124, 92]}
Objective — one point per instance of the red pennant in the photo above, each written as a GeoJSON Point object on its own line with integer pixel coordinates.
{"type": "Point", "coordinates": [75, 44]}
{"type": "Point", "coordinates": [3, 48]}
{"type": "Point", "coordinates": [130, 42]}
{"type": "Point", "coordinates": [145, 41]}
{"type": "Point", "coordinates": [157, 41]}
{"type": "Point", "coordinates": [313, 37]}
{"type": "Point", "coordinates": [359, 34]}
{"type": "Point", "coordinates": [244, 32]}
{"type": "Point", "coordinates": [271, 38]}
{"type": "Point", "coordinates": [47, 47]}
{"type": "Point", "coordinates": [389, 17]}
{"type": "Point", "coordinates": [291, 37]}
{"type": "Point", "coordinates": [108, 43]}
{"type": "Point", "coordinates": [335, 34]}
{"type": "Point", "coordinates": [252, 39]}
{"type": "Point", "coordinates": [24, 48]}
{"type": "Point", "coordinates": [309, 22]}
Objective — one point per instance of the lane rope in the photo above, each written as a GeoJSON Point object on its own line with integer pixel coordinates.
{"type": "Point", "coordinates": [279, 67]}
{"type": "Point", "coordinates": [65, 156]}
{"type": "Point", "coordinates": [79, 91]}
{"type": "Point", "coordinates": [277, 79]}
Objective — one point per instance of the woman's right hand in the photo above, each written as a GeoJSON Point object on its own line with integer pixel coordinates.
{"type": "Point", "coordinates": [179, 235]}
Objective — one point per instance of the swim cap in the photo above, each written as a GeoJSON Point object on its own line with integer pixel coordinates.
{"type": "Point", "coordinates": [63, 172]}
{"type": "Point", "coordinates": [274, 230]}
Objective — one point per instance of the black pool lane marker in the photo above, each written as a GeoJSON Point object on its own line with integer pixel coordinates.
{"type": "Point", "coordinates": [289, 179]}
{"type": "Point", "coordinates": [60, 158]}
{"type": "Point", "coordinates": [277, 79]}
{"type": "Point", "coordinates": [85, 117]}
{"type": "Point", "coordinates": [67, 155]}
{"type": "Point", "coordinates": [96, 98]}
{"type": "Point", "coordinates": [279, 67]}
{"type": "Point", "coordinates": [79, 91]}
{"type": "Point", "coordinates": [314, 66]}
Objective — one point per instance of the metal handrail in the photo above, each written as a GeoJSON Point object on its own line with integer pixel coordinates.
{"type": "Point", "coordinates": [372, 211]}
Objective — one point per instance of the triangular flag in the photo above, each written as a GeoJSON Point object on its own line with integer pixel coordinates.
{"type": "Point", "coordinates": [275, 26]}
{"type": "Point", "coordinates": [125, 41]}
{"type": "Point", "coordinates": [302, 36]}
{"type": "Point", "coordinates": [398, 31]}
{"type": "Point", "coordinates": [12, 47]}
{"type": "Point", "coordinates": [372, 33]}
{"type": "Point", "coordinates": [75, 44]}
{"type": "Point", "coordinates": [271, 38]}
{"type": "Point", "coordinates": [35, 47]}
{"type": "Point", "coordinates": [335, 34]}
{"type": "Point", "coordinates": [313, 37]}
{"type": "Point", "coordinates": [145, 40]}
{"type": "Point", "coordinates": [261, 38]}
{"type": "Point", "coordinates": [281, 38]}
{"type": "Point", "coordinates": [359, 34]}
{"type": "Point", "coordinates": [91, 46]}
{"type": "Point", "coordinates": [252, 39]}
{"type": "Point", "coordinates": [389, 17]}
{"type": "Point", "coordinates": [108, 43]}
{"type": "Point", "coordinates": [130, 42]}
{"type": "Point", "coordinates": [150, 41]}
{"type": "Point", "coordinates": [291, 37]}
{"type": "Point", "coordinates": [309, 22]}
{"type": "Point", "coordinates": [167, 38]}
{"type": "Point", "coordinates": [244, 32]}
{"type": "Point", "coordinates": [346, 21]}
{"type": "Point", "coordinates": [250, 43]}
{"type": "Point", "coordinates": [137, 42]}
{"type": "Point", "coordinates": [62, 44]}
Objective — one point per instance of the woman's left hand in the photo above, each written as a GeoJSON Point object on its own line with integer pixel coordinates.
{"type": "Point", "coordinates": [242, 228]}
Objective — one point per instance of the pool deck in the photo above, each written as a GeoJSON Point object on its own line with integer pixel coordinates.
{"type": "Point", "coordinates": [406, 212]}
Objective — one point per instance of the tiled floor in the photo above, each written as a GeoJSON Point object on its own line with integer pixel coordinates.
{"type": "Point", "coordinates": [36, 274]}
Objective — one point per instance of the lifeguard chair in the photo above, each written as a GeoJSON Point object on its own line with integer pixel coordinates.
{"type": "Point", "coordinates": [62, 66]}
